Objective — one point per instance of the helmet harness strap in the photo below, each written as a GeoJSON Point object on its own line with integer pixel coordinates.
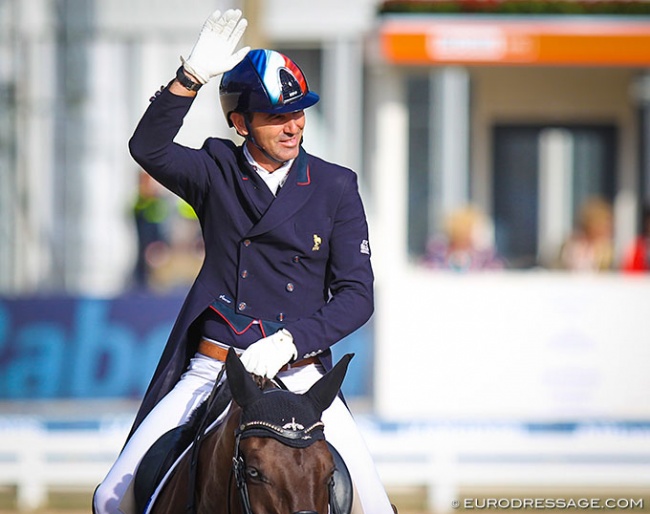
{"type": "Point", "coordinates": [251, 138]}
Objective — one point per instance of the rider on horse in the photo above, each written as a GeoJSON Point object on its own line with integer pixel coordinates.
{"type": "Point", "coordinates": [287, 268]}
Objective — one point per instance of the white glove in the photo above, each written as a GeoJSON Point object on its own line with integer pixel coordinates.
{"type": "Point", "coordinates": [266, 356]}
{"type": "Point", "coordinates": [213, 54]}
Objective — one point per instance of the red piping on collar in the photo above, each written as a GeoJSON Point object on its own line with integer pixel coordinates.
{"type": "Point", "coordinates": [308, 179]}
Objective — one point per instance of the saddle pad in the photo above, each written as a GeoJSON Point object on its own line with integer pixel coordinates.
{"type": "Point", "coordinates": [342, 492]}
{"type": "Point", "coordinates": [150, 498]}
{"type": "Point", "coordinates": [156, 462]}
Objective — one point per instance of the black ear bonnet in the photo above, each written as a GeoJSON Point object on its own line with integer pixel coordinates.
{"type": "Point", "coordinates": [290, 418]}
{"type": "Point", "coordinates": [293, 419]}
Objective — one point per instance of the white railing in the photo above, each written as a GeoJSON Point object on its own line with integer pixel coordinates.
{"type": "Point", "coordinates": [36, 460]}
{"type": "Point", "coordinates": [444, 459]}
{"type": "Point", "coordinates": [448, 459]}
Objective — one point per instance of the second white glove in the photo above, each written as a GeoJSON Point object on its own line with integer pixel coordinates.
{"type": "Point", "coordinates": [214, 50]}
{"type": "Point", "coordinates": [266, 356]}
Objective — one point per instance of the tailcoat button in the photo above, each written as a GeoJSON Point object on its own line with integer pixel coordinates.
{"type": "Point", "coordinates": [247, 242]}
{"type": "Point", "coordinates": [290, 287]}
{"type": "Point", "coordinates": [296, 258]}
{"type": "Point", "coordinates": [242, 306]}
{"type": "Point", "coordinates": [244, 274]}
{"type": "Point", "coordinates": [280, 317]}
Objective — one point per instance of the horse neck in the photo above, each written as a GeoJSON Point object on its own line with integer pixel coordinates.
{"type": "Point", "coordinates": [215, 465]}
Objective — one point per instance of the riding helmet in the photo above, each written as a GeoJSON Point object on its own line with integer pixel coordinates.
{"type": "Point", "coordinates": [265, 81]}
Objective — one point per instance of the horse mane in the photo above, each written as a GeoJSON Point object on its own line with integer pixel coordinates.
{"type": "Point", "coordinates": [263, 383]}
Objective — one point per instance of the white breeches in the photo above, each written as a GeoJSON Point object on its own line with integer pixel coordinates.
{"type": "Point", "coordinates": [194, 387]}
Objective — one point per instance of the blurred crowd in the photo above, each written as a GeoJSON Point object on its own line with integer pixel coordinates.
{"type": "Point", "coordinates": [467, 243]}
{"type": "Point", "coordinates": [170, 247]}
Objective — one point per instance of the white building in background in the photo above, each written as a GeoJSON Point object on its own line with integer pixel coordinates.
{"type": "Point", "coordinates": [526, 117]}
{"type": "Point", "coordinates": [434, 112]}
{"type": "Point", "coordinates": [75, 77]}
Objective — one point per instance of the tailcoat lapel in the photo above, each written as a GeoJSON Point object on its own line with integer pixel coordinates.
{"type": "Point", "coordinates": [255, 190]}
{"type": "Point", "coordinates": [291, 198]}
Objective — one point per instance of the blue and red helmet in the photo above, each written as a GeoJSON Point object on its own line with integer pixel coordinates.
{"type": "Point", "coordinates": [265, 81]}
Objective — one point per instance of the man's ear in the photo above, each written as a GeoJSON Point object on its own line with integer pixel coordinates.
{"type": "Point", "coordinates": [238, 121]}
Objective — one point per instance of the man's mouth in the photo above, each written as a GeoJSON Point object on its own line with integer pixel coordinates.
{"type": "Point", "coordinates": [291, 142]}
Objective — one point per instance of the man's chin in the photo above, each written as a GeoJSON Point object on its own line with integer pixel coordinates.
{"type": "Point", "coordinates": [289, 153]}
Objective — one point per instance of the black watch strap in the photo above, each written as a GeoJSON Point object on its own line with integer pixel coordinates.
{"type": "Point", "coordinates": [186, 82]}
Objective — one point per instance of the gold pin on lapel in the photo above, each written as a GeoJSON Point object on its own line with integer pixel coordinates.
{"type": "Point", "coordinates": [317, 243]}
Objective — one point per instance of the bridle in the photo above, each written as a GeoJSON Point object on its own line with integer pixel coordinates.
{"type": "Point", "coordinates": [290, 431]}
{"type": "Point", "coordinates": [253, 422]}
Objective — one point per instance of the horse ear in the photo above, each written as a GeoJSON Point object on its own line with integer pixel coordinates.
{"type": "Point", "coordinates": [323, 392]}
{"type": "Point", "coordinates": [243, 387]}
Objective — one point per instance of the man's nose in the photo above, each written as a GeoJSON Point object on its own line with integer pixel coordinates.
{"type": "Point", "coordinates": [292, 126]}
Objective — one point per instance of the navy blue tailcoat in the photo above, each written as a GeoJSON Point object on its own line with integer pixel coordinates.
{"type": "Point", "coordinates": [301, 258]}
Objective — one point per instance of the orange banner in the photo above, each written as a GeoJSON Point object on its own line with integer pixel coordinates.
{"type": "Point", "coordinates": [600, 42]}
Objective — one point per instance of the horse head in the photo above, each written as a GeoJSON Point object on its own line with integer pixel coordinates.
{"type": "Point", "coordinates": [282, 463]}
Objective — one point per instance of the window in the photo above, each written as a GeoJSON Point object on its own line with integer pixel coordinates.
{"type": "Point", "coordinates": [419, 165]}
{"type": "Point", "coordinates": [541, 177]}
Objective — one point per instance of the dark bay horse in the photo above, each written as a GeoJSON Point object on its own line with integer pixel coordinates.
{"type": "Point", "coordinates": [269, 456]}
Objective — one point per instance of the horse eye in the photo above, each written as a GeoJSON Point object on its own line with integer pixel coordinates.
{"type": "Point", "coordinates": [253, 472]}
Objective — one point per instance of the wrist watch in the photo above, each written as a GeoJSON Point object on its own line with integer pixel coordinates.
{"type": "Point", "coordinates": [186, 82]}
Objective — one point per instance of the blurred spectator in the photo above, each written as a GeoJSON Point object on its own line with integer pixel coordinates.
{"type": "Point", "coordinates": [150, 212]}
{"type": "Point", "coordinates": [467, 243]}
{"type": "Point", "coordinates": [590, 247]}
{"type": "Point", "coordinates": [637, 255]}
{"type": "Point", "coordinates": [186, 250]}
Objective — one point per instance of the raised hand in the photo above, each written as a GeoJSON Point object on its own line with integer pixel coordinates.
{"type": "Point", "coordinates": [214, 51]}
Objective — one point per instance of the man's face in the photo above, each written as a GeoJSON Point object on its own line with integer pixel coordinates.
{"type": "Point", "coordinates": [278, 134]}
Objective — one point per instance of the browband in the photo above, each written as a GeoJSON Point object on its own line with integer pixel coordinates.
{"type": "Point", "coordinates": [287, 433]}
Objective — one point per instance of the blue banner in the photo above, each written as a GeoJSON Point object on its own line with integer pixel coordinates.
{"type": "Point", "coordinates": [70, 347]}
{"type": "Point", "coordinates": [63, 347]}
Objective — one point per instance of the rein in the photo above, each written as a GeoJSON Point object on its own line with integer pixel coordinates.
{"type": "Point", "coordinates": [218, 394]}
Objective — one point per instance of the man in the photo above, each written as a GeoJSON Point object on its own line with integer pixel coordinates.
{"type": "Point", "coordinates": [287, 267]}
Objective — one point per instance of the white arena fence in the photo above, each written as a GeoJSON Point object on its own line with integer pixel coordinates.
{"type": "Point", "coordinates": [37, 456]}
{"type": "Point", "coordinates": [454, 458]}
